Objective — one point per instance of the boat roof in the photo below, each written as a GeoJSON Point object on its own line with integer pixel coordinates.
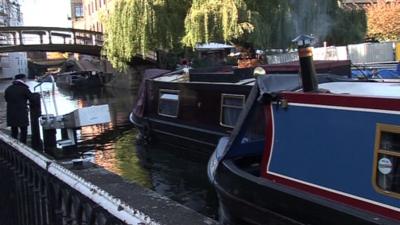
{"type": "Point", "coordinates": [183, 78]}
{"type": "Point", "coordinates": [275, 83]}
{"type": "Point", "coordinates": [375, 89]}
{"type": "Point", "coordinates": [212, 46]}
{"type": "Point", "coordinates": [234, 75]}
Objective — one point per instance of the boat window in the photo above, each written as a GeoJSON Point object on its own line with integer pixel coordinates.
{"type": "Point", "coordinates": [231, 106]}
{"type": "Point", "coordinates": [387, 159]}
{"type": "Point", "coordinates": [168, 103]}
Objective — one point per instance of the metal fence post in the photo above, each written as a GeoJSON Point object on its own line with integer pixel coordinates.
{"type": "Point", "coordinates": [35, 113]}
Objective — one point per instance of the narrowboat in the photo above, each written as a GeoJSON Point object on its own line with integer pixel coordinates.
{"type": "Point", "coordinates": [82, 79]}
{"type": "Point", "coordinates": [195, 108]}
{"type": "Point", "coordinates": [190, 109]}
{"type": "Point", "coordinates": [328, 153]}
{"type": "Point", "coordinates": [379, 71]}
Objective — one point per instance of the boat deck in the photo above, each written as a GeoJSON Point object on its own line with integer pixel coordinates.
{"type": "Point", "coordinates": [384, 89]}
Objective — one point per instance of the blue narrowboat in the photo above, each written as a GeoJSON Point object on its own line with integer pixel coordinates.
{"type": "Point", "coordinates": [326, 154]}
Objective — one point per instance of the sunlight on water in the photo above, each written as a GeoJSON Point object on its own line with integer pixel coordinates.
{"type": "Point", "coordinates": [120, 157]}
{"type": "Point", "coordinates": [175, 174]}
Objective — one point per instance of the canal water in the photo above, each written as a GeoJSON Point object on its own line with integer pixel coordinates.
{"type": "Point", "coordinates": [176, 173]}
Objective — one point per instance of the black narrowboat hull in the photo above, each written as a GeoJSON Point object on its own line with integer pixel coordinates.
{"type": "Point", "coordinates": [185, 136]}
{"type": "Point", "coordinates": [81, 83]}
{"type": "Point", "coordinates": [82, 80]}
{"type": "Point", "coordinates": [178, 135]}
{"type": "Point", "coordinates": [255, 200]}
{"type": "Point", "coordinates": [197, 125]}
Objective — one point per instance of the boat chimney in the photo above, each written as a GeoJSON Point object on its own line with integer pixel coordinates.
{"type": "Point", "coordinates": [307, 68]}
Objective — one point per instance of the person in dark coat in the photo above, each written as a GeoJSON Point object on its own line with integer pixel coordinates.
{"type": "Point", "coordinates": [17, 95]}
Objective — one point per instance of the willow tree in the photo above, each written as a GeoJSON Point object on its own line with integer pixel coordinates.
{"type": "Point", "coordinates": [126, 30]}
{"type": "Point", "coordinates": [270, 20]}
{"type": "Point", "coordinates": [270, 23]}
{"type": "Point", "coordinates": [221, 20]}
{"type": "Point", "coordinates": [135, 27]}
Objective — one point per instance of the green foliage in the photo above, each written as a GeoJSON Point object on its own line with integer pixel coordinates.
{"type": "Point", "coordinates": [135, 27]}
{"type": "Point", "coordinates": [272, 23]}
{"type": "Point", "coordinates": [138, 26]}
{"type": "Point", "coordinates": [127, 30]}
{"type": "Point", "coordinates": [221, 20]}
{"type": "Point", "coordinates": [350, 27]}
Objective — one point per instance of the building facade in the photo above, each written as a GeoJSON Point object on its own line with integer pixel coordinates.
{"type": "Point", "coordinates": [85, 14]}
{"type": "Point", "coordinates": [14, 62]}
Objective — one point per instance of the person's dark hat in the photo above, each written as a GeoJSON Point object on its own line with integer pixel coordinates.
{"type": "Point", "coordinates": [19, 76]}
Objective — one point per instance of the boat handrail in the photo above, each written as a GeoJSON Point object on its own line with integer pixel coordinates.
{"type": "Point", "coordinates": [43, 80]}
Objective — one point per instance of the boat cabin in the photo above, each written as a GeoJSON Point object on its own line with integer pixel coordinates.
{"type": "Point", "coordinates": [330, 156]}
{"type": "Point", "coordinates": [194, 108]}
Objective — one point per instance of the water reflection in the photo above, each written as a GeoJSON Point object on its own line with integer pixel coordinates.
{"type": "Point", "coordinates": [180, 175]}
{"type": "Point", "coordinates": [177, 174]}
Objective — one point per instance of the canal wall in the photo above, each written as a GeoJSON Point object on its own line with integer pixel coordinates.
{"type": "Point", "coordinates": [37, 190]}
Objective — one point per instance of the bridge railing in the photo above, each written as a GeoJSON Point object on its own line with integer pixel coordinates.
{"type": "Point", "coordinates": [55, 39]}
{"type": "Point", "coordinates": [48, 35]}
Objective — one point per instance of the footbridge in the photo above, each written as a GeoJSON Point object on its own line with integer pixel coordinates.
{"type": "Point", "coordinates": [50, 39]}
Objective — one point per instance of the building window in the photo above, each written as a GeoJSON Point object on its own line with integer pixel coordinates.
{"type": "Point", "coordinates": [231, 106]}
{"type": "Point", "coordinates": [78, 11]}
{"type": "Point", "coordinates": [387, 159]}
{"type": "Point", "coordinates": [168, 103]}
